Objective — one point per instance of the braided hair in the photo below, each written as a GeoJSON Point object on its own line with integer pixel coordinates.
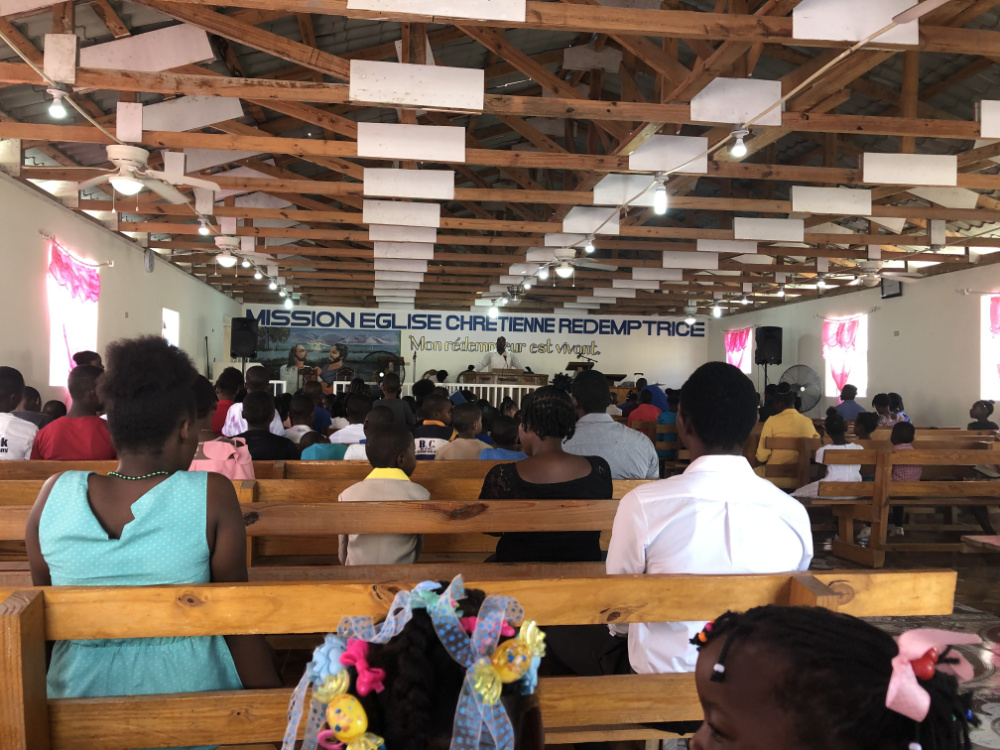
{"type": "Point", "coordinates": [835, 425]}
{"type": "Point", "coordinates": [549, 412]}
{"type": "Point", "coordinates": [836, 679]}
{"type": "Point", "coordinates": [416, 711]}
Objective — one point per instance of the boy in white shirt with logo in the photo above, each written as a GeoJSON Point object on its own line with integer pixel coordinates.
{"type": "Point", "coordinates": [16, 435]}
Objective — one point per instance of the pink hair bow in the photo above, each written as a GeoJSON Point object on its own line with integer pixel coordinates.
{"type": "Point", "coordinates": [918, 659]}
{"type": "Point", "coordinates": [469, 626]}
{"type": "Point", "coordinates": [356, 656]}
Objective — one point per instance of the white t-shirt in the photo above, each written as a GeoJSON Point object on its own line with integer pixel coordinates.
{"type": "Point", "coordinates": [236, 424]}
{"type": "Point", "coordinates": [506, 361]}
{"type": "Point", "coordinates": [844, 472]}
{"type": "Point", "coordinates": [353, 433]}
{"type": "Point", "coordinates": [356, 452]}
{"type": "Point", "coordinates": [16, 437]}
{"type": "Point", "coordinates": [296, 432]}
{"type": "Point", "coordinates": [716, 518]}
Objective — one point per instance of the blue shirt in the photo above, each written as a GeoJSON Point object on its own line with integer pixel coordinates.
{"type": "Point", "coordinates": [659, 397]}
{"type": "Point", "coordinates": [666, 417]}
{"type": "Point", "coordinates": [321, 420]}
{"type": "Point", "coordinates": [849, 410]}
{"type": "Point", "coordinates": [324, 452]}
{"type": "Point", "coordinates": [501, 454]}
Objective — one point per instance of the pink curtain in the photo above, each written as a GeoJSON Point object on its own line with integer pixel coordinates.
{"type": "Point", "coordinates": [838, 348]}
{"type": "Point", "coordinates": [995, 321]}
{"type": "Point", "coordinates": [737, 346]}
{"type": "Point", "coordinates": [73, 289]}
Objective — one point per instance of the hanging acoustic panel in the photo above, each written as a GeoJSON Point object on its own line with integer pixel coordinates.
{"type": "Point", "coordinates": [399, 264]}
{"type": "Point", "coordinates": [671, 153]}
{"type": "Point", "coordinates": [586, 57]}
{"type": "Point", "coordinates": [408, 85]}
{"type": "Point", "coordinates": [480, 10]}
{"type": "Point", "coordinates": [948, 197]}
{"type": "Point", "coordinates": [586, 220]}
{"type": "Point", "coordinates": [411, 276]}
{"type": "Point", "coordinates": [582, 303]}
{"type": "Point", "coordinates": [380, 284]}
{"type": "Point", "coordinates": [434, 143]}
{"type": "Point", "coordinates": [561, 239]}
{"type": "Point", "coordinates": [658, 274]}
{"type": "Point", "coordinates": [774, 230]}
{"type": "Point", "coordinates": [614, 292]}
{"type": "Point", "coordinates": [431, 184]}
{"type": "Point", "coordinates": [727, 246]}
{"type": "Point", "coordinates": [988, 114]}
{"type": "Point", "coordinates": [853, 20]}
{"type": "Point", "coordinates": [911, 169]}
{"type": "Point", "coordinates": [616, 189]}
{"type": "Point", "coordinates": [733, 101]}
{"type": "Point", "coordinates": [838, 200]}
{"type": "Point", "coordinates": [203, 158]}
{"type": "Point", "coordinates": [401, 213]}
{"type": "Point", "coordinates": [59, 60]}
{"type": "Point", "coordinates": [540, 255]}
{"type": "Point", "coordinates": [164, 49]}
{"type": "Point", "coordinates": [190, 112]}
{"type": "Point", "coordinates": [635, 284]}
{"type": "Point", "coordinates": [412, 250]}
{"type": "Point", "coordinates": [696, 261]}
{"type": "Point", "coordinates": [388, 233]}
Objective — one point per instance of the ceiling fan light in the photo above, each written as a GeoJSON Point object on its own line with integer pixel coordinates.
{"type": "Point", "coordinates": [543, 273]}
{"type": "Point", "coordinates": [226, 260]}
{"type": "Point", "coordinates": [126, 185]}
{"type": "Point", "coordinates": [564, 270]}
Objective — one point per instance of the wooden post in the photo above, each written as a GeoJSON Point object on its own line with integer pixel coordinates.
{"type": "Point", "coordinates": [24, 708]}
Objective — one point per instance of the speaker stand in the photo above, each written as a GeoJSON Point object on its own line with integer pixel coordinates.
{"type": "Point", "coordinates": [243, 364]}
{"type": "Point", "coordinates": [765, 375]}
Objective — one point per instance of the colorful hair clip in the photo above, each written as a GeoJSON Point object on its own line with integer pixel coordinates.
{"type": "Point", "coordinates": [356, 656]}
{"type": "Point", "coordinates": [506, 629]}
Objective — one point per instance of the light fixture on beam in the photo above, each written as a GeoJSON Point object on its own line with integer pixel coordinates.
{"type": "Point", "coordinates": [745, 300]}
{"type": "Point", "coordinates": [527, 284]}
{"type": "Point", "coordinates": [781, 290]}
{"type": "Point", "coordinates": [245, 263]}
{"type": "Point", "coordinates": [543, 273]}
{"type": "Point", "coordinates": [257, 274]}
{"type": "Point", "coordinates": [273, 286]}
{"type": "Point", "coordinates": [203, 230]}
{"type": "Point", "coordinates": [739, 149]}
{"type": "Point", "coordinates": [57, 109]}
{"type": "Point", "coordinates": [494, 312]}
{"type": "Point", "coordinates": [288, 303]}
{"type": "Point", "coordinates": [282, 293]}
{"type": "Point", "coordinates": [564, 270]}
{"type": "Point", "coordinates": [589, 247]}
{"type": "Point", "coordinates": [716, 311]}
{"type": "Point", "coordinates": [821, 283]}
{"type": "Point", "coordinates": [660, 194]}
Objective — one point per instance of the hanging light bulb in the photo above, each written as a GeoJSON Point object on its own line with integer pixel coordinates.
{"type": "Point", "coordinates": [494, 313]}
{"type": "Point", "coordinates": [245, 263]}
{"type": "Point", "coordinates": [716, 312]}
{"type": "Point", "coordinates": [57, 110]}
{"type": "Point", "coordinates": [660, 195]}
{"type": "Point", "coordinates": [257, 274]}
{"type": "Point", "coordinates": [226, 259]}
{"type": "Point", "coordinates": [781, 290]}
{"type": "Point", "coordinates": [527, 285]}
{"type": "Point", "coordinates": [739, 149]}
{"type": "Point", "coordinates": [543, 273]}
{"type": "Point", "coordinates": [288, 303]}
{"type": "Point", "coordinates": [690, 320]}
{"type": "Point", "coordinates": [821, 283]}
{"type": "Point", "coordinates": [203, 230]}
{"type": "Point", "coordinates": [589, 247]}
{"type": "Point", "coordinates": [126, 185]}
{"type": "Point", "coordinates": [564, 270]}
{"type": "Point", "coordinates": [282, 293]}
{"type": "Point", "coordinates": [273, 286]}
{"type": "Point", "coordinates": [745, 300]}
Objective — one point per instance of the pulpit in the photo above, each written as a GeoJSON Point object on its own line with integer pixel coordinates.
{"type": "Point", "coordinates": [496, 385]}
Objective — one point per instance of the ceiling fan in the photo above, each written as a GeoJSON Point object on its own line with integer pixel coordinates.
{"type": "Point", "coordinates": [514, 294]}
{"type": "Point", "coordinates": [131, 176]}
{"type": "Point", "coordinates": [872, 273]}
{"type": "Point", "coordinates": [562, 261]}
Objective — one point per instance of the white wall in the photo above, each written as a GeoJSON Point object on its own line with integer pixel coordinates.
{"type": "Point", "coordinates": [131, 302]}
{"type": "Point", "coordinates": [923, 345]}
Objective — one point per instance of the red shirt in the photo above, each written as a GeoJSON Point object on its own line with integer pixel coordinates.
{"type": "Point", "coordinates": [74, 439]}
{"type": "Point", "coordinates": [219, 418]}
{"type": "Point", "coordinates": [643, 413]}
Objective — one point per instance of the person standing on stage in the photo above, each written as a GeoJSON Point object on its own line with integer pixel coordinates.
{"type": "Point", "coordinates": [501, 359]}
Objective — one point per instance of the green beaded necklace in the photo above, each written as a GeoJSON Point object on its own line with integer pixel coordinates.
{"type": "Point", "coordinates": [136, 479]}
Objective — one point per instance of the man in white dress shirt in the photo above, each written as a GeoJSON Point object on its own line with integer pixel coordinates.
{"type": "Point", "coordinates": [501, 359]}
{"type": "Point", "coordinates": [718, 517]}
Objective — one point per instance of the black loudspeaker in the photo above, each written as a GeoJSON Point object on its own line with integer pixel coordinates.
{"type": "Point", "coordinates": [768, 346]}
{"type": "Point", "coordinates": [243, 339]}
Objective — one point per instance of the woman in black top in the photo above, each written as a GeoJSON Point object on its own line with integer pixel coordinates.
{"type": "Point", "coordinates": [549, 473]}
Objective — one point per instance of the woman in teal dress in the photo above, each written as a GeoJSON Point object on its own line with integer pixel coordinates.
{"type": "Point", "coordinates": [150, 522]}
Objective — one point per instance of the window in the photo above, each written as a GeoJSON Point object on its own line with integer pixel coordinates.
{"type": "Point", "coordinates": [989, 348]}
{"type": "Point", "coordinates": [739, 344]}
{"type": "Point", "coordinates": [845, 352]}
{"type": "Point", "coordinates": [72, 290]}
{"type": "Point", "coordinates": [172, 326]}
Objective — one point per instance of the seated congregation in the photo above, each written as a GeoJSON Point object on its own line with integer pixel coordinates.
{"type": "Point", "coordinates": [448, 666]}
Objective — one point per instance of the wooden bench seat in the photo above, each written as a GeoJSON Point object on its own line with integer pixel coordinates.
{"type": "Point", "coordinates": [30, 617]}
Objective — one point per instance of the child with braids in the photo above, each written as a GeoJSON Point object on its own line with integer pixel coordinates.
{"type": "Point", "coordinates": [836, 429]}
{"type": "Point", "coordinates": [549, 473]}
{"type": "Point", "coordinates": [784, 678]}
{"type": "Point", "coordinates": [401, 688]}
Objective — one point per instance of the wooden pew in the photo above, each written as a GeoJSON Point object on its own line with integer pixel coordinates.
{"type": "Point", "coordinates": [10, 470]}
{"type": "Point", "coordinates": [569, 704]}
{"type": "Point", "coordinates": [802, 470]}
{"type": "Point", "coordinates": [358, 470]}
{"type": "Point", "coordinates": [876, 498]}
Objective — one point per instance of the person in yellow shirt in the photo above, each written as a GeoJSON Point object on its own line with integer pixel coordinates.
{"type": "Point", "coordinates": [786, 423]}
